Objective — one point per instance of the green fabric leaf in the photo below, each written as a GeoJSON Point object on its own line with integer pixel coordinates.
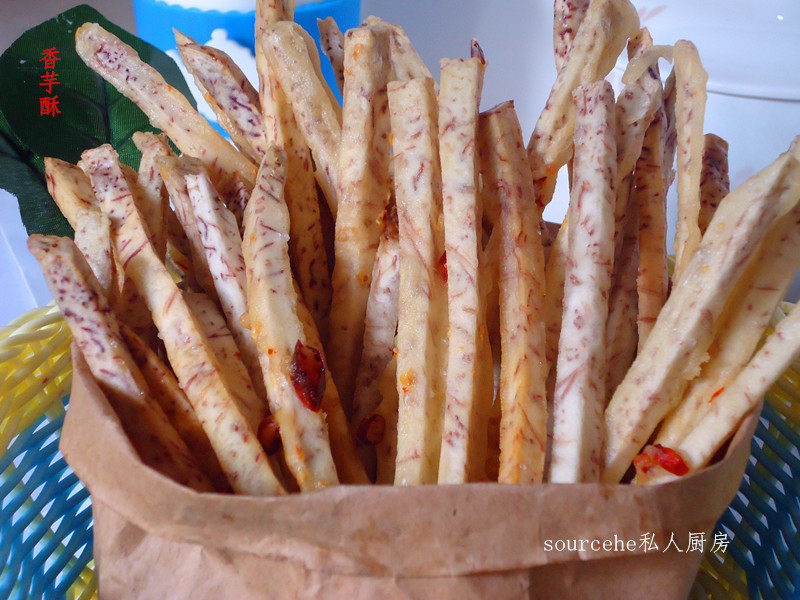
{"type": "Point", "coordinates": [22, 174]}
{"type": "Point", "coordinates": [92, 111]}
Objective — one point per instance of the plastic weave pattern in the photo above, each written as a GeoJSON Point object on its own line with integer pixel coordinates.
{"type": "Point", "coordinates": [45, 512]}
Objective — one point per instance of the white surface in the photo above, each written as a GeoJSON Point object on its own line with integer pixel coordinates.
{"type": "Point", "coordinates": [22, 283]}
{"type": "Point", "coordinates": [760, 59]}
{"type": "Point", "coordinates": [516, 36]}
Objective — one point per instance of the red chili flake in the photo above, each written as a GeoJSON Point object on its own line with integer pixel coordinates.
{"type": "Point", "coordinates": [671, 460]}
{"type": "Point", "coordinates": [371, 429]}
{"type": "Point", "coordinates": [715, 394]}
{"type": "Point", "coordinates": [308, 375]}
{"type": "Point", "coordinates": [269, 435]}
{"type": "Point", "coordinates": [441, 266]}
{"type": "Point", "coordinates": [666, 458]}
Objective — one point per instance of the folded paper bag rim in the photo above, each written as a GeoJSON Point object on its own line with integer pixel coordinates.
{"type": "Point", "coordinates": [385, 531]}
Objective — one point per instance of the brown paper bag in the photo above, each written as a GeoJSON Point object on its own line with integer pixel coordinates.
{"type": "Point", "coordinates": [155, 539]}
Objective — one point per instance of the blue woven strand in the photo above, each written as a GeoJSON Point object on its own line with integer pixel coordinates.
{"type": "Point", "coordinates": [39, 556]}
{"type": "Point", "coordinates": [764, 555]}
{"type": "Point", "coordinates": [775, 515]}
{"type": "Point", "coordinates": [48, 576]}
{"type": "Point", "coordinates": [46, 545]}
{"type": "Point", "coordinates": [765, 541]}
{"type": "Point", "coordinates": [34, 537]}
{"type": "Point", "coordinates": [86, 553]}
{"type": "Point", "coordinates": [8, 517]}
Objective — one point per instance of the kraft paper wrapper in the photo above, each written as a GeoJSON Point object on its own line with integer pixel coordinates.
{"type": "Point", "coordinates": [156, 539]}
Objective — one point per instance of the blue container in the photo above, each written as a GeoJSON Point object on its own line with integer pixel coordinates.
{"type": "Point", "coordinates": [155, 20]}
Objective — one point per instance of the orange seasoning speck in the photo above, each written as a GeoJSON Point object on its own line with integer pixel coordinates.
{"type": "Point", "coordinates": [357, 50]}
{"type": "Point", "coordinates": [715, 394]}
{"type": "Point", "coordinates": [407, 381]}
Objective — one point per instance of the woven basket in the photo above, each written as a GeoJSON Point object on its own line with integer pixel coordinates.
{"type": "Point", "coordinates": [45, 512]}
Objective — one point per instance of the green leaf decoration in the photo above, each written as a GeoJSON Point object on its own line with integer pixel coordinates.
{"type": "Point", "coordinates": [22, 174]}
{"type": "Point", "coordinates": [92, 112]}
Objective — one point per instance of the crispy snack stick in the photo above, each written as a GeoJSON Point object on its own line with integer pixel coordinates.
{"type": "Point", "coordinates": [70, 189]}
{"type": "Point", "coordinates": [293, 369]}
{"type": "Point", "coordinates": [468, 391]}
{"type": "Point", "coordinates": [621, 324]}
{"type": "Point", "coordinates": [93, 239]}
{"type": "Point", "coordinates": [313, 54]}
{"type": "Point", "coordinates": [236, 199]}
{"type": "Point", "coordinates": [523, 366]}
{"type": "Point", "coordinates": [349, 467]}
{"type": "Point", "coordinates": [567, 17]}
{"type": "Point", "coordinates": [178, 252]}
{"type": "Point", "coordinates": [72, 192]}
{"type": "Point", "coordinates": [332, 41]}
{"type": "Point", "coordinates": [167, 392]}
{"type": "Point", "coordinates": [307, 250]}
{"type": "Point", "coordinates": [603, 33]}
{"type": "Point", "coordinates": [221, 341]}
{"type": "Point", "coordinates": [273, 100]}
{"type": "Point", "coordinates": [555, 274]}
{"type": "Point", "coordinates": [155, 203]}
{"type": "Point", "coordinates": [97, 335]}
{"type": "Point", "coordinates": [166, 108]}
{"type": "Point", "coordinates": [635, 108]}
{"type": "Point", "coordinates": [417, 186]}
{"type": "Point", "coordinates": [175, 245]}
{"type": "Point", "coordinates": [406, 63]}
{"type": "Point", "coordinates": [306, 241]}
{"type": "Point", "coordinates": [364, 189]}
{"type": "Point", "coordinates": [684, 330]}
{"type": "Point", "coordinates": [743, 322]}
{"type": "Point", "coordinates": [231, 96]}
{"type": "Point", "coordinates": [690, 106]}
{"type": "Point", "coordinates": [744, 394]}
{"type": "Point", "coordinates": [671, 137]}
{"type": "Point", "coordinates": [579, 397]}
{"type": "Point", "coordinates": [380, 322]}
{"type": "Point", "coordinates": [715, 183]}
{"type": "Point", "coordinates": [174, 171]}
{"type": "Point", "coordinates": [272, 11]}
{"type": "Point", "coordinates": [313, 109]}
{"type": "Point", "coordinates": [198, 370]}
{"type": "Point", "coordinates": [650, 196]}
{"type": "Point", "coordinates": [636, 105]}
{"type": "Point", "coordinates": [386, 412]}
{"type": "Point", "coordinates": [222, 253]}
